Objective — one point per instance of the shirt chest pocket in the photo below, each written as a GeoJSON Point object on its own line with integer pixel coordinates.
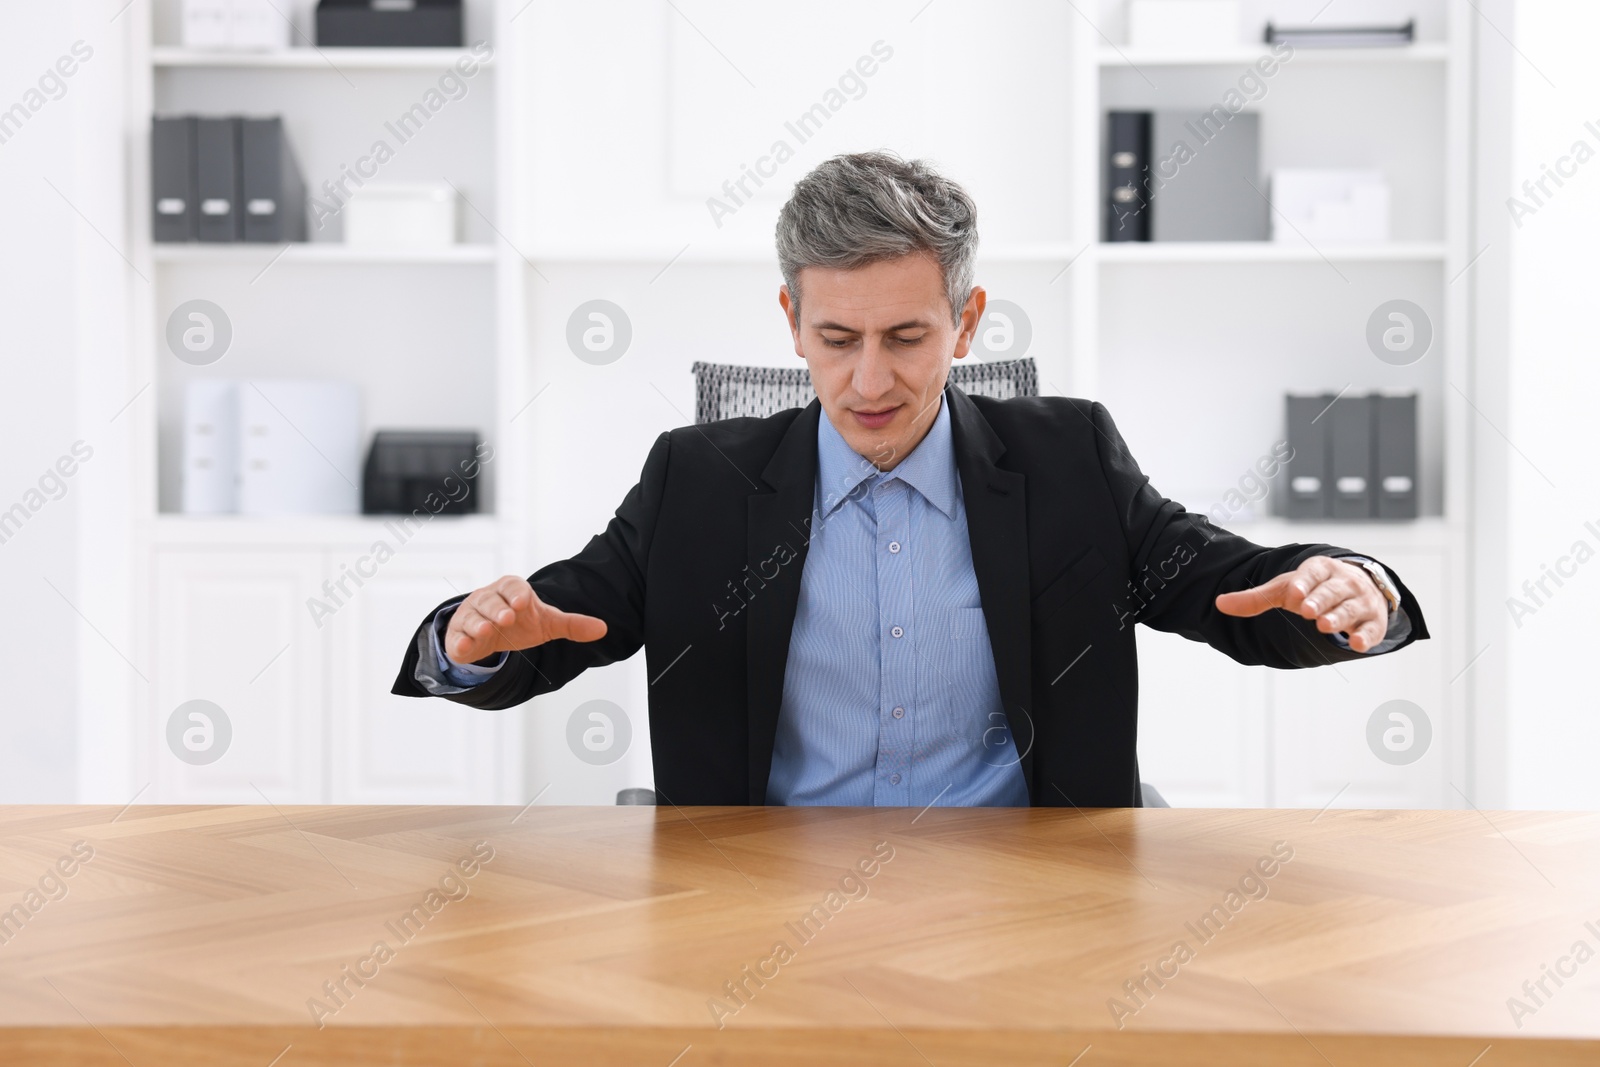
{"type": "Point", "coordinates": [950, 626]}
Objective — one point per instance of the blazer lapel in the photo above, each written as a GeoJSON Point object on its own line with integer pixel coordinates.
{"type": "Point", "coordinates": [778, 525]}
{"type": "Point", "coordinates": [996, 504]}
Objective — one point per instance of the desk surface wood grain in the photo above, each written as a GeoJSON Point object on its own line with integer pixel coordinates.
{"type": "Point", "coordinates": [676, 937]}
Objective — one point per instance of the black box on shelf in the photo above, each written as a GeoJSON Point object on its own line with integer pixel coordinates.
{"type": "Point", "coordinates": [432, 471]}
{"type": "Point", "coordinates": [389, 23]}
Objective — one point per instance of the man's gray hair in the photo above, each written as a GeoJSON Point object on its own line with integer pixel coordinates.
{"type": "Point", "coordinates": [858, 209]}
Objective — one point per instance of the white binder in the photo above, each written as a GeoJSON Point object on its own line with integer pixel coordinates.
{"type": "Point", "coordinates": [299, 448]}
{"type": "Point", "coordinates": [211, 447]}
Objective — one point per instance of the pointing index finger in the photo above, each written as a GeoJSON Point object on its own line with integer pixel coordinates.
{"type": "Point", "coordinates": [1255, 600]}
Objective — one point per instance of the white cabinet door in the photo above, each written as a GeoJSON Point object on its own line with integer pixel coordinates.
{"type": "Point", "coordinates": [388, 749]}
{"type": "Point", "coordinates": [1202, 721]}
{"type": "Point", "coordinates": [232, 628]}
{"type": "Point", "coordinates": [1319, 717]}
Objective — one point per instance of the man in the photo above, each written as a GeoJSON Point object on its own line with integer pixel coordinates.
{"type": "Point", "coordinates": [899, 595]}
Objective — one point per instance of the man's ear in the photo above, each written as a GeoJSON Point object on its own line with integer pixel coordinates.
{"type": "Point", "coordinates": [971, 316]}
{"type": "Point", "coordinates": [791, 316]}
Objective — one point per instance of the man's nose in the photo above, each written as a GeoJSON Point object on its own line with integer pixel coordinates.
{"type": "Point", "coordinates": [874, 374]}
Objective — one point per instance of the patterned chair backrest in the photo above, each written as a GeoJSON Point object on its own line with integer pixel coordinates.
{"type": "Point", "coordinates": [730, 390]}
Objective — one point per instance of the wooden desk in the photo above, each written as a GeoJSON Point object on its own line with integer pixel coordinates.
{"type": "Point", "coordinates": [609, 935]}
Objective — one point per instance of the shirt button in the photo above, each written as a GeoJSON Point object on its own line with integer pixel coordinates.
{"type": "Point", "coordinates": [899, 713]}
{"type": "Point", "coordinates": [894, 546]}
{"type": "Point", "coordinates": [894, 779]}
{"type": "Point", "coordinates": [897, 632]}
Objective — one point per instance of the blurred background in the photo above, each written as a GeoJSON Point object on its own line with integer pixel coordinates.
{"type": "Point", "coordinates": [315, 315]}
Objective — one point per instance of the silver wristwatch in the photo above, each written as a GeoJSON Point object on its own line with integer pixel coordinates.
{"type": "Point", "coordinates": [1381, 579]}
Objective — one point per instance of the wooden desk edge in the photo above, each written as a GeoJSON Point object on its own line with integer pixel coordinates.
{"type": "Point", "coordinates": [516, 1046]}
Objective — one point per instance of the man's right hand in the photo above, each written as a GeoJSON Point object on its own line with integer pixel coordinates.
{"type": "Point", "coordinates": [506, 615]}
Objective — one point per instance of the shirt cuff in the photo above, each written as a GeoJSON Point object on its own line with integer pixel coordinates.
{"type": "Point", "coordinates": [435, 672]}
{"type": "Point", "coordinates": [1399, 625]}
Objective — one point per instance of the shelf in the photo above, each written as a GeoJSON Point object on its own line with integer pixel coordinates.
{"type": "Point", "coordinates": [317, 58]}
{"type": "Point", "coordinates": [743, 255]}
{"type": "Point", "coordinates": [1246, 55]}
{"type": "Point", "coordinates": [311, 531]}
{"type": "Point", "coordinates": [260, 255]}
{"type": "Point", "coordinates": [1267, 252]}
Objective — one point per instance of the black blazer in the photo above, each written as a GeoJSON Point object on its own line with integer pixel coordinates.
{"type": "Point", "coordinates": [1070, 543]}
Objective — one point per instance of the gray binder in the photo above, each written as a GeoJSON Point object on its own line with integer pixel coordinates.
{"type": "Point", "coordinates": [217, 178]}
{"type": "Point", "coordinates": [1207, 190]}
{"type": "Point", "coordinates": [1350, 457]}
{"type": "Point", "coordinates": [172, 194]}
{"type": "Point", "coordinates": [1395, 417]}
{"type": "Point", "coordinates": [1307, 495]}
{"type": "Point", "coordinates": [272, 196]}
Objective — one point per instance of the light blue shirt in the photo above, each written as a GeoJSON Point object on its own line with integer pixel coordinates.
{"type": "Point", "coordinates": [890, 695]}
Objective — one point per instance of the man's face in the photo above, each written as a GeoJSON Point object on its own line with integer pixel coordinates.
{"type": "Point", "coordinates": [879, 342]}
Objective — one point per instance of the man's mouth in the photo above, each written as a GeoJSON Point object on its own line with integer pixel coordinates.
{"type": "Point", "coordinates": [876, 420]}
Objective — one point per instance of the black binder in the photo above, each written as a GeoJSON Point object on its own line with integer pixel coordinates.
{"type": "Point", "coordinates": [272, 195]}
{"type": "Point", "coordinates": [1127, 166]}
{"type": "Point", "coordinates": [1395, 474]}
{"type": "Point", "coordinates": [172, 193]}
{"type": "Point", "coordinates": [1307, 497]}
{"type": "Point", "coordinates": [1350, 457]}
{"type": "Point", "coordinates": [217, 178]}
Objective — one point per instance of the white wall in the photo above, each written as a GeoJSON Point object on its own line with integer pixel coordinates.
{"type": "Point", "coordinates": [60, 283]}
{"type": "Point", "coordinates": [1552, 730]}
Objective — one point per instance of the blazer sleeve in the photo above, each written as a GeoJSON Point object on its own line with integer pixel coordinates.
{"type": "Point", "coordinates": [1179, 562]}
{"type": "Point", "coordinates": [606, 580]}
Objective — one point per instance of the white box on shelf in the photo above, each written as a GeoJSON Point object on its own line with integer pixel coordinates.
{"type": "Point", "coordinates": [258, 25]}
{"type": "Point", "coordinates": [401, 214]}
{"type": "Point", "coordinates": [206, 23]}
{"type": "Point", "coordinates": [1183, 25]}
{"type": "Point", "coordinates": [234, 25]}
{"type": "Point", "coordinates": [300, 449]}
{"type": "Point", "coordinates": [1330, 206]}
{"type": "Point", "coordinates": [211, 447]}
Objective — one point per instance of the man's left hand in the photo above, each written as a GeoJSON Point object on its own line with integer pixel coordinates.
{"type": "Point", "coordinates": [1342, 597]}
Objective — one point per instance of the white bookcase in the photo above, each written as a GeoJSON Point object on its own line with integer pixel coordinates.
{"type": "Point", "coordinates": [584, 187]}
{"type": "Point", "coordinates": [434, 338]}
{"type": "Point", "coordinates": [1209, 336]}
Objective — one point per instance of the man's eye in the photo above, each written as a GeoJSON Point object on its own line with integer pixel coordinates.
{"type": "Point", "coordinates": [832, 343]}
{"type": "Point", "coordinates": [917, 340]}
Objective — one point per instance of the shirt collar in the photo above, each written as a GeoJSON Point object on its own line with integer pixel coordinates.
{"type": "Point", "coordinates": [930, 469]}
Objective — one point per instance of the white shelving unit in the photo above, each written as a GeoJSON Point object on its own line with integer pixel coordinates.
{"type": "Point", "coordinates": [433, 336]}
{"type": "Point", "coordinates": [1145, 314]}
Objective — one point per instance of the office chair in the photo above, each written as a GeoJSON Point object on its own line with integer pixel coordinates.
{"type": "Point", "coordinates": [730, 390]}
